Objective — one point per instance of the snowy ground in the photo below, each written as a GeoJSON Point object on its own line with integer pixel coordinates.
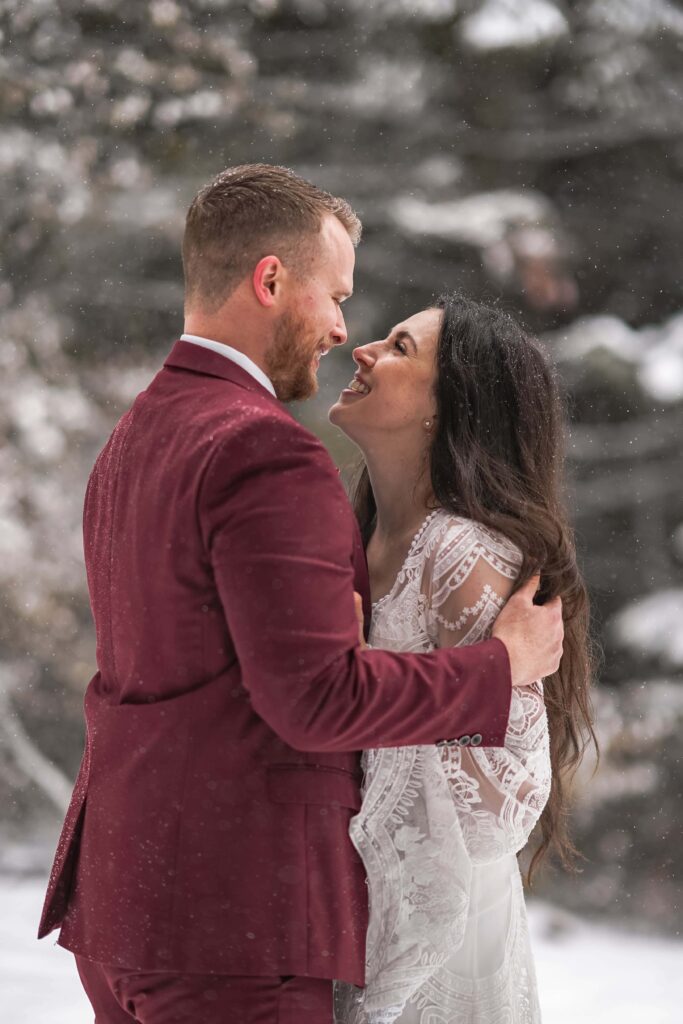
{"type": "Point", "coordinates": [586, 973]}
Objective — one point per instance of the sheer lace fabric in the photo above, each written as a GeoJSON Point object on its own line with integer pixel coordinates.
{"type": "Point", "coordinates": [440, 826]}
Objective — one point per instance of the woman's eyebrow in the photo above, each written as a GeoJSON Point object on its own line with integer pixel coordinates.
{"type": "Point", "coordinates": [406, 336]}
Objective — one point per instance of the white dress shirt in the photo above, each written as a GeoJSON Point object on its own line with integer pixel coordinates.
{"type": "Point", "coordinates": [237, 357]}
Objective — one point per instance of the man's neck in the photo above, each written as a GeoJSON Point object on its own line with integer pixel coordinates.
{"type": "Point", "coordinates": [234, 355]}
{"type": "Point", "coordinates": [232, 328]}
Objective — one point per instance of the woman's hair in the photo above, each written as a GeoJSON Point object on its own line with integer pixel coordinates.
{"type": "Point", "coordinates": [497, 458]}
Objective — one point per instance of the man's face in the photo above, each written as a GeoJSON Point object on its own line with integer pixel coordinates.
{"type": "Point", "coordinates": [312, 321]}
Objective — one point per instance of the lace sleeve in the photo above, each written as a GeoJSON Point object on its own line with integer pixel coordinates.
{"type": "Point", "coordinates": [499, 793]}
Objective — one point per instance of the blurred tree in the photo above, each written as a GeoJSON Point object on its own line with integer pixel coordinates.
{"type": "Point", "coordinates": [527, 152]}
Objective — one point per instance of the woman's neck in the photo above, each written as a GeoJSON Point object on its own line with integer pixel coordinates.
{"type": "Point", "coordinates": [400, 484]}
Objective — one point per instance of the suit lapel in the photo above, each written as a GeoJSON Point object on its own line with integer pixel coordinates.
{"type": "Point", "coordinates": [361, 581]}
{"type": "Point", "coordinates": [186, 356]}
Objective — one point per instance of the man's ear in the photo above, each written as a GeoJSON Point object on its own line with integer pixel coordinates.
{"type": "Point", "coordinates": [267, 280]}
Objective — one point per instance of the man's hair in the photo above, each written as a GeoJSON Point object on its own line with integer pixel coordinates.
{"type": "Point", "coordinates": [248, 212]}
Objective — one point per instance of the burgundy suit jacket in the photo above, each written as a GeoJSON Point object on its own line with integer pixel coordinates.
{"type": "Point", "coordinates": [208, 829]}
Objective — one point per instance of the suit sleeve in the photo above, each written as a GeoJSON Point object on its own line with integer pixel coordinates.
{"type": "Point", "coordinates": [279, 533]}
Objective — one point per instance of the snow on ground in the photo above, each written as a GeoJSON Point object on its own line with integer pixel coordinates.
{"type": "Point", "coordinates": [38, 981]}
{"type": "Point", "coordinates": [592, 974]}
{"type": "Point", "coordinates": [587, 973]}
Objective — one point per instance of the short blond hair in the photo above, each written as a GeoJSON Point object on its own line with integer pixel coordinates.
{"type": "Point", "coordinates": [248, 212]}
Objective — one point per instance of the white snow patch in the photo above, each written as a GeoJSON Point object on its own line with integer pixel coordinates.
{"type": "Point", "coordinates": [661, 371]}
{"type": "Point", "coordinates": [480, 220]}
{"type": "Point", "coordinates": [592, 333]}
{"type": "Point", "coordinates": [39, 980]}
{"type": "Point", "coordinates": [385, 85]}
{"type": "Point", "coordinates": [653, 625]}
{"type": "Point", "coordinates": [656, 351]}
{"type": "Point", "coordinates": [420, 10]}
{"type": "Point", "coordinates": [206, 104]}
{"type": "Point", "coordinates": [503, 24]}
{"type": "Point", "coordinates": [636, 18]}
{"type": "Point", "coordinates": [16, 545]}
{"type": "Point", "coordinates": [440, 171]}
{"type": "Point", "coordinates": [588, 972]}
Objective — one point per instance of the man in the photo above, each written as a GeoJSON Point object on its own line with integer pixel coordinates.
{"type": "Point", "coordinates": [205, 871]}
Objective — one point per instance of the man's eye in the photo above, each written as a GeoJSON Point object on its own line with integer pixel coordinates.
{"type": "Point", "coordinates": [401, 347]}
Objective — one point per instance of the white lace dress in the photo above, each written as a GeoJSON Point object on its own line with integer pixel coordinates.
{"type": "Point", "coordinates": [440, 826]}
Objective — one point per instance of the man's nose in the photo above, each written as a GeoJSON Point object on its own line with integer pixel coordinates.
{"type": "Point", "coordinates": [339, 334]}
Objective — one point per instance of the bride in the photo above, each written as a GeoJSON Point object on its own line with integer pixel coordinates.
{"type": "Point", "coordinates": [459, 421]}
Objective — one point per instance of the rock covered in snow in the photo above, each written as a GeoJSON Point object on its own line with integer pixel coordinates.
{"type": "Point", "coordinates": [504, 24]}
{"type": "Point", "coordinates": [518, 235]}
{"type": "Point", "coordinates": [654, 353]}
{"type": "Point", "coordinates": [652, 627]}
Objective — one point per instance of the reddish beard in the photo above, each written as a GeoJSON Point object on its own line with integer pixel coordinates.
{"type": "Point", "coordinates": [289, 360]}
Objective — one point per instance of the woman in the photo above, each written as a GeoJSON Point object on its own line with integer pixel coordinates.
{"type": "Point", "coordinates": [459, 421]}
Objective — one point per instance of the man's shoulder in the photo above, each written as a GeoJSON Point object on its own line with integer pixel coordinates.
{"type": "Point", "coordinates": [227, 409]}
{"type": "Point", "coordinates": [231, 423]}
{"type": "Point", "coordinates": [256, 434]}
{"type": "Point", "coordinates": [253, 415]}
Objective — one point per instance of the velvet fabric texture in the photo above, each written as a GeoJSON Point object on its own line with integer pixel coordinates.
{"type": "Point", "coordinates": [208, 830]}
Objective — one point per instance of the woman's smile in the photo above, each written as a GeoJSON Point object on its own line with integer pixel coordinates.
{"type": "Point", "coordinates": [400, 371]}
{"type": "Point", "coordinates": [357, 388]}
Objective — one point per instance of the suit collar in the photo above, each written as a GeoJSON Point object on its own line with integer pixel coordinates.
{"type": "Point", "coordinates": [186, 356]}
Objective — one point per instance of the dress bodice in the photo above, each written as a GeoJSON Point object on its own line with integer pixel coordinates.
{"type": "Point", "coordinates": [440, 825]}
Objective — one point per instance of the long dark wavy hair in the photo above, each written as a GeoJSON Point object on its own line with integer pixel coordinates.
{"type": "Point", "coordinates": [497, 458]}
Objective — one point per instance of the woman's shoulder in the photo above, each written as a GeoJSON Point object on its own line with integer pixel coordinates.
{"type": "Point", "coordinates": [451, 535]}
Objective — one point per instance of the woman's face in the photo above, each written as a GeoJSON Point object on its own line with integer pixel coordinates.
{"type": "Point", "coordinates": [392, 390]}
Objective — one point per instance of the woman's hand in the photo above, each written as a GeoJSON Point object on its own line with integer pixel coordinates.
{"type": "Point", "coordinates": [358, 602]}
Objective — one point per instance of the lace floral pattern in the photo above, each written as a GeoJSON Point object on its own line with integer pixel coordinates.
{"type": "Point", "coordinates": [439, 826]}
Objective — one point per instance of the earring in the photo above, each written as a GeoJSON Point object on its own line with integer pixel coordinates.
{"type": "Point", "coordinates": [427, 424]}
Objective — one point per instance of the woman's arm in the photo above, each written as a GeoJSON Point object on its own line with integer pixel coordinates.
{"type": "Point", "coordinates": [279, 538]}
{"type": "Point", "coordinates": [499, 793]}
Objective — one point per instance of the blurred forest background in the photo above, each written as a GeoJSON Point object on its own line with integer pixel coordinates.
{"type": "Point", "coordinates": [526, 152]}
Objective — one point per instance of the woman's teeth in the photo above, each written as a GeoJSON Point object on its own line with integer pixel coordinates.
{"type": "Point", "coordinates": [357, 385]}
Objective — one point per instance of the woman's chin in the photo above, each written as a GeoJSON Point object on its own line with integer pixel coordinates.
{"type": "Point", "coordinates": [340, 415]}
{"type": "Point", "coordinates": [334, 413]}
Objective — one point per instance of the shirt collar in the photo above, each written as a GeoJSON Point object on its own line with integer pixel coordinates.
{"type": "Point", "coordinates": [235, 355]}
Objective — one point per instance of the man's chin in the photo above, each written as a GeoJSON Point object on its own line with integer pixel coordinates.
{"type": "Point", "coordinates": [296, 389]}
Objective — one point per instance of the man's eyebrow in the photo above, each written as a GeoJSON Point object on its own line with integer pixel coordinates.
{"type": "Point", "coordinates": [406, 336]}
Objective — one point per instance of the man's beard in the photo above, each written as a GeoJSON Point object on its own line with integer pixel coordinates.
{"type": "Point", "coordinates": [289, 360]}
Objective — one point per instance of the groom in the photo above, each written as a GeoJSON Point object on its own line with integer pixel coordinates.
{"type": "Point", "coordinates": [204, 873]}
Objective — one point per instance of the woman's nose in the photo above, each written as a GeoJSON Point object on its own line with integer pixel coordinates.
{"type": "Point", "coordinates": [364, 355]}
